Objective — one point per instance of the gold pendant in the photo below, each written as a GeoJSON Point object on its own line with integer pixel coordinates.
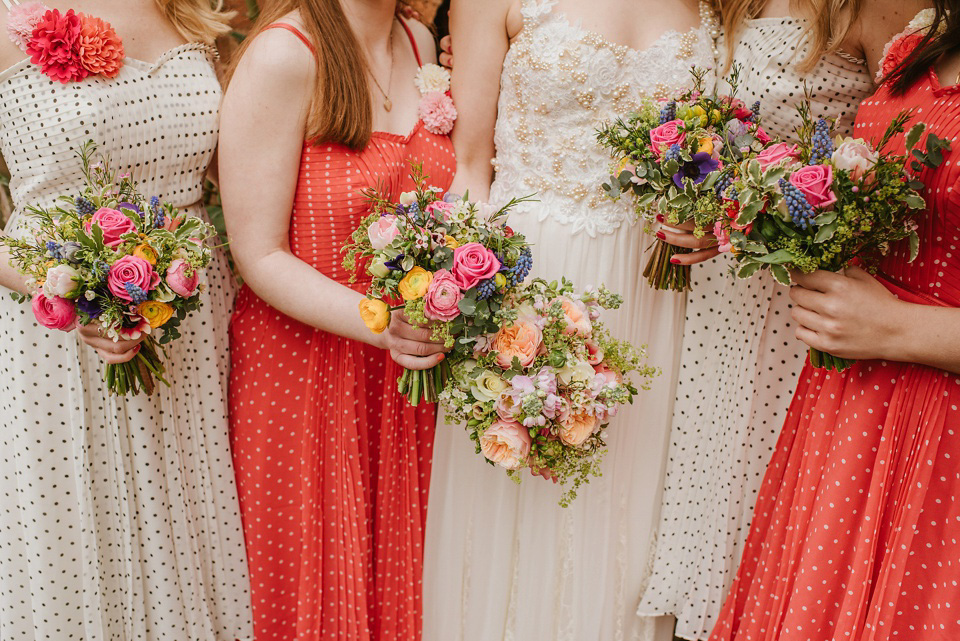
{"type": "Point", "coordinates": [387, 104]}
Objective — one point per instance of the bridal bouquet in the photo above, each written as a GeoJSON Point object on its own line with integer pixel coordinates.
{"type": "Point", "coordinates": [112, 257]}
{"type": "Point", "coordinates": [824, 202]}
{"type": "Point", "coordinates": [448, 263]}
{"type": "Point", "coordinates": [669, 157]}
{"type": "Point", "coordinates": [539, 391]}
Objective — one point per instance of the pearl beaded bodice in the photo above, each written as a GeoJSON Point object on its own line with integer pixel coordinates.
{"type": "Point", "coordinates": [559, 83]}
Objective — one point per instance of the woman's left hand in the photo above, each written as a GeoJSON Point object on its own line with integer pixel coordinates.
{"type": "Point", "coordinates": [849, 315]}
{"type": "Point", "coordinates": [704, 248]}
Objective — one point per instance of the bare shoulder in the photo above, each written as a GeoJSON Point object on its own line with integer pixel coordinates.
{"type": "Point", "coordinates": [425, 40]}
{"type": "Point", "coordinates": [278, 55]}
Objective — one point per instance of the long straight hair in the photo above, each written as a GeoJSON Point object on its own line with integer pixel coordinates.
{"type": "Point", "coordinates": [829, 23]}
{"type": "Point", "coordinates": [942, 39]}
{"type": "Point", "coordinates": [340, 109]}
{"type": "Point", "coordinates": [197, 20]}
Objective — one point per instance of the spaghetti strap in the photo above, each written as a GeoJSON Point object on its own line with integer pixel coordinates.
{"type": "Point", "coordinates": [413, 41]}
{"type": "Point", "coordinates": [294, 31]}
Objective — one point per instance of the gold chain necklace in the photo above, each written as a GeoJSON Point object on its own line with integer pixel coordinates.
{"type": "Point", "coordinates": [387, 103]}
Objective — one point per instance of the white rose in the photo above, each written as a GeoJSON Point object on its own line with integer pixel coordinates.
{"type": "Point", "coordinates": [488, 386]}
{"type": "Point", "coordinates": [855, 156]}
{"type": "Point", "coordinates": [61, 280]}
{"type": "Point", "coordinates": [432, 78]}
{"type": "Point", "coordinates": [576, 371]}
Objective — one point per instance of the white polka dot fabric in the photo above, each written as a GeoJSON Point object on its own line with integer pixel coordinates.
{"type": "Point", "coordinates": [740, 359]}
{"type": "Point", "coordinates": [118, 516]}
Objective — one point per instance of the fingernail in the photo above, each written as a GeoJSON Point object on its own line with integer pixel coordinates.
{"type": "Point", "coordinates": [675, 260]}
{"type": "Point", "coordinates": [661, 235]}
{"type": "Point", "coordinates": [136, 350]}
{"type": "Point", "coordinates": [660, 218]}
{"type": "Point", "coordinates": [442, 356]}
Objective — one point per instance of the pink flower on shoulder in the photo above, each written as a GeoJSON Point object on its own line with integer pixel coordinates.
{"type": "Point", "coordinates": [438, 113]}
{"type": "Point", "coordinates": [54, 46]}
{"type": "Point", "coordinates": [99, 47]}
{"type": "Point", "coordinates": [23, 19]}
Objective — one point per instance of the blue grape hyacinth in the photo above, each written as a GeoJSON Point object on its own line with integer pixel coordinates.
{"type": "Point", "coordinates": [800, 210]}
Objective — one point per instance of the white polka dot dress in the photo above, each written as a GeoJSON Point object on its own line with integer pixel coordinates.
{"type": "Point", "coordinates": [119, 518]}
{"type": "Point", "coordinates": [739, 361]}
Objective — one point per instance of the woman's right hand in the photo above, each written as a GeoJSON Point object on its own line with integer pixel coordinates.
{"type": "Point", "coordinates": [110, 351]}
{"type": "Point", "coordinates": [411, 347]}
{"type": "Point", "coordinates": [704, 247]}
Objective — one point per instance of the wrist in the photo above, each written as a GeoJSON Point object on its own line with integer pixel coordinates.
{"type": "Point", "coordinates": [901, 340]}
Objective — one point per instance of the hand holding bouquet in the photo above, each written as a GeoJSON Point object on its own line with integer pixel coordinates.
{"type": "Point", "coordinates": [824, 202]}
{"type": "Point", "coordinates": [448, 265]}
{"type": "Point", "coordinates": [539, 391]}
{"type": "Point", "coordinates": [669, 156]}
{"type": "Point", "coordinates": [110, 257]}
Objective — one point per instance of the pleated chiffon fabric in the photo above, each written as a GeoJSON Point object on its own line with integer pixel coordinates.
{"type": "Point", "coordinates": [333, 465]}
{"type": "Point", "coordinates": [857, 529]}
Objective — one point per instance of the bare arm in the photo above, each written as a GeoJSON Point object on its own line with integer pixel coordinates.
{"type": "Point", "coordinates": [480, 35]}
{"type": "Point", "coordinates": [262, 129]}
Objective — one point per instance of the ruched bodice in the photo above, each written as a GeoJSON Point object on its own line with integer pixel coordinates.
{"type": "Point", "coordinates": [157, 121]}
{"type": "Point", "coordinates": [559, 83]}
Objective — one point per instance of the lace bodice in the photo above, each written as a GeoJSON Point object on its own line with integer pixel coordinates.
{"type": "Point", "coordinates": [159, 121]}
{"type": "Point", "coordinates": [559, 83]}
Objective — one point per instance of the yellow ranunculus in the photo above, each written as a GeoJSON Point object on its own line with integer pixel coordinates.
{"type": "Point", "coordinates": [705, 145]}
{"type": "Point", "coordinates": [716, 117]}
{"type": "Point", "coordinates": [375, 314]}
{"type": "Point", "coordinates": [500, 280]}
{"type": "Point", "coordinates": [155, 312]}
{"type": "Point", "coordinates": [414, 284]}
{"type": "Point", "coordinates": [147, 253]}
{"type": "Point", "coordinates": [698, 111]}
{"type": "Point", "coordinates": [450, 242]}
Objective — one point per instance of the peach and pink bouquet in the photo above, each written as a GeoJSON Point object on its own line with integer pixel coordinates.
{"type": "Point", "coordinates": [668, 156]}
{"type": "Point", "coordinates": [824, 203]}
{"type": "Point", "coordinates": [111, 256]}
{"type": "Point", "coordinates": [539, 391]}
{"type": "Point", "coordinates": [445, 262]}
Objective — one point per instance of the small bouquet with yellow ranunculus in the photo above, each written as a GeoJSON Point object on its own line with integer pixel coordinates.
{"type": "Point", "coordinates": [110, 256]}
{"type": "Point", "coordinates": [447, 262]}
{"type": "Point", "coordinates": [540, 391]}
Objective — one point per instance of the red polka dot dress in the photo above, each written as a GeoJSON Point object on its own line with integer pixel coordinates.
{"type": "Point", "coordinates": [333, 466]}
{"type": "Point", "coordinates": [856, 535]}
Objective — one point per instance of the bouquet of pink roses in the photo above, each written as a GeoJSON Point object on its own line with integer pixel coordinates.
{"type": "Point", "coordinates": [539, 391]}
{"type": "Point", "coordinates": [447, 263]}
{"type": "Point", "coordinates": [824, 202]}
{"type": "Point", "coordinates": [110, 256]}
{"type": "Point", "coordinates": [669, 157]}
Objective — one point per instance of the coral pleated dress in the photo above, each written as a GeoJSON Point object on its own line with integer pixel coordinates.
{"type": "Point", "coordinates": [333, 466]}
{"type": "Point", "coordinates": [856, 534]}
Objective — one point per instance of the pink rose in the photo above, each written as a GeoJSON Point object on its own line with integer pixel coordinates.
{"type": "Point", "coordinates": [442, 206]}
{"type": "Point", "coordinates": [723, 237]}
{"type": "Point", "coordinates": [507, 408]}
{"type": "Point", "coordinates": [131, 270]}
{"type": "Point", "coordinates": [382, 231]}
{"type": "Point", "coordinates": [54, 312]}
{"type": "Point", "coordinates": [778, 153]}
{"type": "Point", "coordinates": [438, 113]}
{"type": "Point", "coordinates": [667, 134]}
{"type": "Point", "coordinates": [855, 157]}
{"type": "Point", "coordinates": [114, 224]}
{"type": "Point", "coordinates": [576, 317]}
{"type": "Point", "coordinates": [815, 182]}
{"type": "Point", "coordinates": [472, 263]}
{"type": "Point", "coordinates": [761, 135]}
{"type": "Point", "coordinates": [506, 443]}
{"type": "Point", "coordinates": [182, 278]}
{"type": "Point", "coordinates": [442, 297]}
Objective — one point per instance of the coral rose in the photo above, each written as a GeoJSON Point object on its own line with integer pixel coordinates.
{"type": "Point", "coordinates": [99, 47]}
{"type": "Point", "coordinates": [54, 312]}
{"type": "Point", "coordinates": [182, 278]}
{"type": "Point", "coordinates": [414, 285]}
{"type": "Point", "coordinates": [443, 297]}
{"type": "Point", "coordinates": [577, 428]}
{"type": "Point", "coordinates": [472, 263]}
{"type": "Point", "coordinates": [131, 270]}
{"type": "Point", "coordinates": [520, 340]}
{"type": "Point", "coordinates": [375, 314]}
{"type": "Point", "coordinates": [114, 224]}
{"type": "Point", "coordinates": [506, 443]}
{"type": "Point", "coordinates": [576, 317]}
{"type": "Point", "coordinates": [815, 181]}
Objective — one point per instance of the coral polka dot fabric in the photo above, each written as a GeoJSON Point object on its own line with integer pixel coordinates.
{"type": "Point", "coordinates": [856, 534]}
{"type": "Point", "coordinates": [333, 466]}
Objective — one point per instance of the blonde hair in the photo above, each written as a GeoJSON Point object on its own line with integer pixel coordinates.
{"type": "Point", "coordinates": [197, 20]}
{"type": "Point", "coordinates": [829, 24]}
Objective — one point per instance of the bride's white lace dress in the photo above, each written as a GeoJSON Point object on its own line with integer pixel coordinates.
{"type": "Point", "coordinates": [505, 561]}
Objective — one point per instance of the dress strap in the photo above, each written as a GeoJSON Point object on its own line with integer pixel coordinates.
{"type": "Point", "coordinates": [10, 4]}
{"type": "Point", "coordinates": [293, 30]}
{"type": "Point", "coordinates": [413, 41]}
